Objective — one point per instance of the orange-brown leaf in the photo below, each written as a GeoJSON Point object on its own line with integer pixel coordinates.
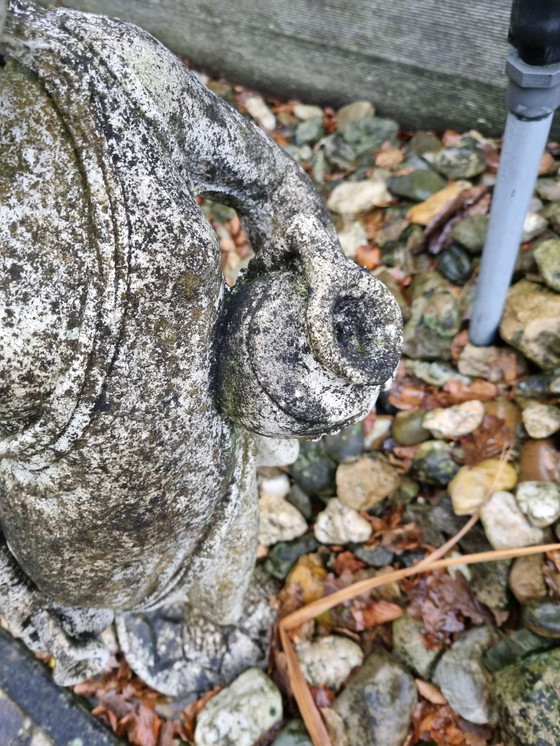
{"type": "Point", "coordinates": [380, 612]}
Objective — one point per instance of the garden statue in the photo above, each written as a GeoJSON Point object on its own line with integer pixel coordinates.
{"type": "Point", "coordinates": [137, 393]}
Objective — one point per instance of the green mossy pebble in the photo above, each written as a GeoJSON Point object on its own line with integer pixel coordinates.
{"type": "Point", "coordinates": [309, 131]}
{"type": "Point", "coordinates": [542, 617]}
{"type": "Point", "coordinates": [527, 698]}
{"type": "Point", "coordinates": [433, 463]}
{"type": "Point", "coordinates": [284, 555]}
{"type": "Point", "coordinates": [315, 470]}
{"type": "Point", "coordinates": [407, 428]}
{"type": "Point", "coordinates": [471, 232]}
{"type": "Point", "coordinates": [293, 734]}
{"type": "Point", "coordinates": [417, 185]}
{"type": "Point", "coordinates": [455, 264]}
{"type": "Point", "coordinates": [459, 162]}
{"type": "Point", "coordinates": [347, 444]}
{"type": "Point", "coordinates": [513, 648]}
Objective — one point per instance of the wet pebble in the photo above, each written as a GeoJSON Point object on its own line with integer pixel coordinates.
{"type": "Point", "coordinates": [547, 255]}
{"type": "Point", "coordinates": [453, 422]}
{"type": "Point", "coordinates": [541, 420]}
{"type": "Point", "coordinates": [539, 460]}
{"type": "Point", "coordinates": [278, 520]}
{"type": "Point", "coordinates": [283, 555]}
{"type": "Point", "coordinates": [540, 501]}
{"type": "Point", "coordinates": [329, 660]}
{"type": "Point", "coordinates": [512, 648]}
{"type": "Point", "coordinates": [304, 112]}
{"type": "Point", "coordinates": [258, 109]}
{"type": "Point", "coordinates": [533, 226]}
{"type": "Point", "coordinates": [424, 142]}
{"type": "Point", "coordinates": [293, 734]}
{"type": "Point", "coordinates": [368, 134]}
{"type": "Point", "coordinates": [527, 700]}
{"type": "Point", "coordinates": [433, 463]}
{"type": "Point", "coordinates": [352, 112]}
{"type": "Point", "coordinates": [471, 232]}
{"type": "Point", "coordinates": [461, 161]}
{"type": "Point", "coordinates": [531, 322]}
{"type": "Point", "coordinates": [365, 482]}
{"type": "Point", "coordinates": [408, 429]}
{"type": "Point", "coordinates": [417, 185]}
{"type": "Point", "coordinates": [463, 679]}
{"type": "Point", "coordinates": [309, 131]}
{"type": "Point", "coordinates": [469, 487]}
{"type": "Point", "coordinates": [353, 197]}
{"type": "Point", "coordinates": [542, 617]}
{"type": "Point", "coordinates": [340, 524]}
{"type": "Point", "coordinates": [241, 713]}
{"type": "Point", "coordinates": [373, 556]}
{"type": "Point", "coordinates": [526, 579]}
{"type": "Point", "coordinates": [378, 702]}
{"type": "Point", "coordinates": [277, 485]}
{"type": "Point", "coordinates": [300, 500]}
{"type": "Point", "coordinates": [455, 264]}
{"type": "Point", "coordinates": [490, 362]}
{"type": "Point", "coordinates": [346, 445]}
{"type": "Point", "coordinates": [314, 469]}
{"type": "Point", "coordinates": [505, 524]}
{"type": "Point", "coordinates": [541, 385]}
{"type": "Point", "coordinates": [435, 319]}
{"type": "Point", "coordinates": [410, 649]}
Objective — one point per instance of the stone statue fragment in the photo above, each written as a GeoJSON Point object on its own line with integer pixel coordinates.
{"type": "Point", "coordinates": [136, 391]}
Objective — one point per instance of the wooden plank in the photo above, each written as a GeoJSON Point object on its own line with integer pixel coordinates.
{"type": "Point", "coordinates": [427, 64]}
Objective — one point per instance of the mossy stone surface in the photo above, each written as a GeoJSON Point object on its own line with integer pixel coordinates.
{"type": "Point", "coordinates": [527, 699]}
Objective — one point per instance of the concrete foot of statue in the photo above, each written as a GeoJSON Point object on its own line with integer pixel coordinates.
{"type": "Point", "coordinates": [183, 654]}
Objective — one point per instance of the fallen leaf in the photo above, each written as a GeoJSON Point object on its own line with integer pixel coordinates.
{"type": "Point", "coordinates": [489, 439]}
{"type": "Point", "coordinates": [445, 605]}
{"type": "Point", "coordinates": [347, 561]}
{"type": "Point", "coordinates": [322, 696]}
{"type": "Point", "coordinates": [141, 726]}
{"type": "Point", "coordinates": [430, 692]}
{"type": "Point", "coordinates": [193, 708]}
{"type": "Point", "coordinates": [368, 256]}
{"type": "Point", "coordinates": [380, 612]}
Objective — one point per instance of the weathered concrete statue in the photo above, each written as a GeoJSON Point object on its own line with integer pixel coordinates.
{"type": "Point", "coordinates": [136, 393]}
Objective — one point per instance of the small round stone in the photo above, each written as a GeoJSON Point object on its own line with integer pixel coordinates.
{"type": "Point", "coordinates": [470, 486]}
{"type": "Point", "coordinates": [329, 660]}
{"type": "Point", "coordinates": [540, 501]}
{"type": "Point", "coordinates": [505, 525]}
{"type": "Point", "coordinates": [541, 420]}
{"type": "Point", "coordinates": [452, 422]}
{"type": "Point", "coordinates": [339, 524]}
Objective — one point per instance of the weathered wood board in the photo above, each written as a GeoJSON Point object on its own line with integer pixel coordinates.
{"type": "Point", "coordinates": [426, 63]}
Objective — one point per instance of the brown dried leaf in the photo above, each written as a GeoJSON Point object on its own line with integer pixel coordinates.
{"type": "Point", "coordinates": [380, 612]}
{"type": "Point", "coordinates": [322, 696]}
{"type": "Point", "coordinates": [430, 692]}
{"type": "Point", "coordinates": [489, 439]}
{"type": "Point", "coordinates": [445, 605]}
{"type": "Point", "coordinates": [193, 708]}
{"type": "Point", "coordinates": [347, 561]}
{"type": "Point", "coordinates": [441, 725]}
{"type": "Point", "coordinates": [141, 726]}
{"type": "Point", "coordinates": [368, 256]}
